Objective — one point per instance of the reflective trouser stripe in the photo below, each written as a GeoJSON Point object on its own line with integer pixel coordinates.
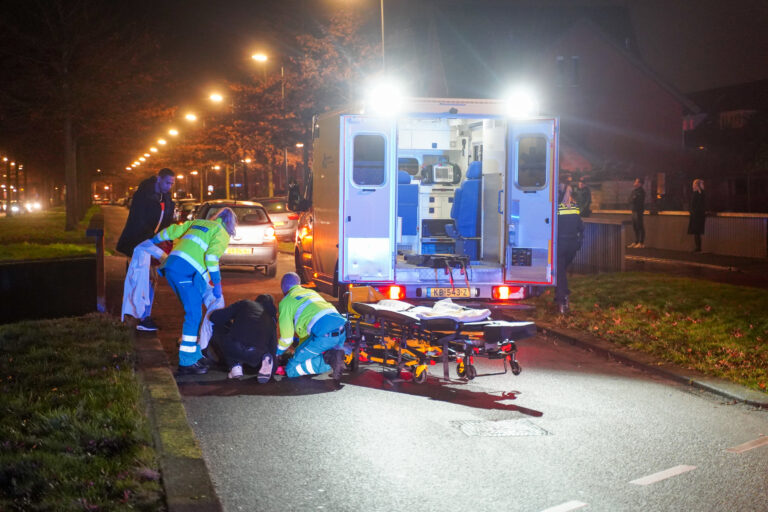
{"type": "Point", "coordinates": [187, 288]}
{"type": "Point", "coordinates": [308, 364]}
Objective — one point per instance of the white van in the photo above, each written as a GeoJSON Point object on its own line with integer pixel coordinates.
{"type": "Point", "coordinates": [448, 198]}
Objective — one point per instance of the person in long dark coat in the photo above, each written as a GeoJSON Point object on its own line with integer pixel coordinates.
{"type": "Point", "coordinates": [697, 211]}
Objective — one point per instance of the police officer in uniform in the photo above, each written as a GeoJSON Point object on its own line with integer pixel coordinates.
{"type": "Point", "coordinates": [570, 230]}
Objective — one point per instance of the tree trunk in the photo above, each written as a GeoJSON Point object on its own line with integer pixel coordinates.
{"type": "Point", "coordinates": [70, 176]}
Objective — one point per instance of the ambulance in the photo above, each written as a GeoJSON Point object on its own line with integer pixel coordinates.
{"type": "Point", "coordinates": [427, 198]}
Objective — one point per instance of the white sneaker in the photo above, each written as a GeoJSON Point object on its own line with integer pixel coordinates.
{"type": "Point", "coordinates": [631, 246]}
{"type": "Point", "coordinates": [236, 372]}
{"type": "Point", "coordinates": [640, 246]}
{"type": "Point", "coordinates": [265, 372]}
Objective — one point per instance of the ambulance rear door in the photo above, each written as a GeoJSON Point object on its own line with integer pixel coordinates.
{"type": "Point", "coordinates": [530, 201]}
{"type": "Point", "coordinates": [368, 185]}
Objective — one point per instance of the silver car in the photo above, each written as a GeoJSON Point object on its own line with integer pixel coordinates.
{"type": "Point", "coordinates": [254, 242]}
{"type": "Point", "coordinates": [285, 220]}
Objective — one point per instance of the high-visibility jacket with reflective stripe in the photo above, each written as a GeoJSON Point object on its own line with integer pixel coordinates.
{"type": "Point", "coordinates": [198, 242]}
{"type": "Point", "coordinates": [298, 312]}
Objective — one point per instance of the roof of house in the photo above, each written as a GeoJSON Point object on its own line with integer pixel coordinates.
{"type": "Point", "coordinates": [747, 96]}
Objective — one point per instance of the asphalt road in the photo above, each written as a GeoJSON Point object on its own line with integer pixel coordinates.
{"type": "Point", "coordinates": [572, 431]}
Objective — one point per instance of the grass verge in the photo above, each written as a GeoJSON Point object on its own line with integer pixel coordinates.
{"type": "Point", "coordinates": [41, 235]}
{"type": "Point", "coordinates": [73, 435]}
{"type": "Point", "coordinates": [715, 328]}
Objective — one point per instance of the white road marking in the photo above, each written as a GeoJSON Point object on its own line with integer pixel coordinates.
{"type": "Point", "coordinates": [662, 475]}
{"type": "Point", "coordinates": [566, 507]}
{"type": "Point", "coordinates": [757, 443]}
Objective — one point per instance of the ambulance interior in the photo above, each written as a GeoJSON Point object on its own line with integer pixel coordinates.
{"type": "Point", "coordinates": [450, 181]}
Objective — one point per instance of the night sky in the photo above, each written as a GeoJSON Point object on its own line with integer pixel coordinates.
{"type": "Point", "coordinates": [693, 44]}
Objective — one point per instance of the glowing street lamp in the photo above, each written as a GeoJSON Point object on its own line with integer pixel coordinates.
{"type": "Point", "coordinates": [153, 149]}
{"type": "Point", "coordinates": [259, 57]}
{"type": "Point", "coordinates": [146, 155]}
{"type": "Point", "coordinates": [299, 144]}
{"type": "Point", "coordinates": [216, 97]}
{"type": "Point", "coordinates": [142, 159]}
{"type": "Point", "coordinates": [162, 142]}
{"type": "Point", "coordinates": [190, 117]}
{"type": "Point", "coordinates": [173, 132]}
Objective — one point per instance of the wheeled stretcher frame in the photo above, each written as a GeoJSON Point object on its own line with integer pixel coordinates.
{"type": "Point", "coordinates": [404, 341]}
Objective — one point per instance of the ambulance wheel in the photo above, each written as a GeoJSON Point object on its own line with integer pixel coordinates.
{"type": "Point", "coordinates": [471, 372]}
{"type": "Point", "coordinates": [299, 266]}
{"type": "Point", "coordinates": [516, 368]}
{"type": "Point", "coordinates": [270, 270]}
{"type": "Point", "coordinates": [420, 378]}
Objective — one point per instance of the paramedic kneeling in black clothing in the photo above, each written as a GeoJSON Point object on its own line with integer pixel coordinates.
{"type": "Point", "coordinates": [570, 230]}
{"type": "Point", "coordinates": [246, 333]}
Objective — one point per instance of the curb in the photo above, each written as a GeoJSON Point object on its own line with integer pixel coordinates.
{"type": "Point", "coordinates": [185, 477]}
{"type": "Point", "coordinates": [722, 387]}
{"type": "Point", "coordinates": [665, 261]}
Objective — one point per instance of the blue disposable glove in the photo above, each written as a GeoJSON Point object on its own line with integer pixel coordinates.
{"type": "Point", "coordinates": [217, 290]}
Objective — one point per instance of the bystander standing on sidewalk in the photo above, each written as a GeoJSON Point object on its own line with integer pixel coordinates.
{"type": "Point", "coordinates": [583, 197]}
{"type": "Point", "coordinates": [698, 213]}
{"type": "Point", "coordinates": [637, 205]}
{"type": "Point", "coordinates": [151, 211]}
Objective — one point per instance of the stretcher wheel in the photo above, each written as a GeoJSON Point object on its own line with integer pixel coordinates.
{"type": "Point", "coordinates": [420, 375]}
{"type": "Point", "coordinates": [515, 367]}
{"type": "Point", "coordinates": [461, 370]}
{"type": "Point", "coordinates": [471, 372]}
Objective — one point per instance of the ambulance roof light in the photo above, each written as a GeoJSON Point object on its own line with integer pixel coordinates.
{"type": "Point", "coordinates": [521, 103]}
{"type": "Point", "coordinates": [384, 98]}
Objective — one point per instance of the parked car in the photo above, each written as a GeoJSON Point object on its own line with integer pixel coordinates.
{"type": "Point", "coordinates": [254, 242]}
{"type": "Point", "coordinates": [285, 220]}
{"type": "Point", "coordinates": [185, 210]}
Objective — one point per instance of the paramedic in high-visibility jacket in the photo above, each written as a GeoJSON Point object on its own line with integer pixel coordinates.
{"type": "Point", "coordinates": [193, 262]}
{"type": "Point", "coordinates": [318, 325]}
{"type": "Point", "coordinates": [570, 230]}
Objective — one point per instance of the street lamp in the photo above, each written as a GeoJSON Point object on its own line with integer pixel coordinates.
{"type": "Point", "coordinates": [173, 132]}
{"type": "Point", "coordinates": [263, 58]}
{"type": "Point", "coordinates": [190, 117]}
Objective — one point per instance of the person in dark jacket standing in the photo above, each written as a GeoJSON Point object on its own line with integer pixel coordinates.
{"type": "Point", "coordinates": [245, 333]}
{"type": "Point", "coordinates": [637, 204]}
{"type": "Point", "coordinates": [570, 231]}
{"type": "Point", "coordinates": [697, 211]}
{"type": "Point", "coordinates": [151, 211]}
{"type": "Point", "coordinates": [583, 197]}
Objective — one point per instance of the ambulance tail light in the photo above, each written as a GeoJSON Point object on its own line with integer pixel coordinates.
{"type": "Point", "coordinates": [293, 216]}
{"type": "Point", "coordinates": [507, 292]}
{"type": "Point", "coordinates": [394, 292]}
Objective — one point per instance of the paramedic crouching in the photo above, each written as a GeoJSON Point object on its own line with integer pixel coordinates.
{"type": "Point", "coordinates": [319, 326]}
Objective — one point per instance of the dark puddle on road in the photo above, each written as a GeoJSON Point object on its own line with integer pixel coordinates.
{"type": "Point", "coordinates": [433, 389]}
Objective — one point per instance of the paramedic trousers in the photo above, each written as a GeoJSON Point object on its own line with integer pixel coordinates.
{"type": "Point", "coordinates": [566, 251]}
{"type": "Point", "coordinates": [327, 333]}
{"type": "Point", "coordinates": [189, 287]}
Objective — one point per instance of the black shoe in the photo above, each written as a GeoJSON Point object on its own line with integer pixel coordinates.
{"type": "Point", "coordinates": [335, 359]}
{"type": "Point", "coordinates": [199, 368]}
{"type": "Point", "coordinates": [147, 325]}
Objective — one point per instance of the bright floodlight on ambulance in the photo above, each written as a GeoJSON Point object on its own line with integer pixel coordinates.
{"type": "Point", "coordinates": [522, 103]}
{"type": "Point", "coordinates": [384, 98]}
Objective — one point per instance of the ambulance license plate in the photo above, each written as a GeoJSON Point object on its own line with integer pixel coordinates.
{"type": "Point", "coordinates": [448, 292]}
{"type": "Point", "coordinates": [239, 250]}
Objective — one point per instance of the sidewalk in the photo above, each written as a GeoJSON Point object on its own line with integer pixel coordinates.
{"type": "Point", "coordinates": [716, 267]}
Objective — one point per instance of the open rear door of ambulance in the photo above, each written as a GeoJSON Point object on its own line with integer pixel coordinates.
{"type": "Point", "coordinates": [366, 213]}
{"type": "Point", "coordinates": [530, 206]}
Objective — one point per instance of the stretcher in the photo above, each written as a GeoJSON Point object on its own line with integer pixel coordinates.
{"type": "Point", "coordinates": [405, 341]}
